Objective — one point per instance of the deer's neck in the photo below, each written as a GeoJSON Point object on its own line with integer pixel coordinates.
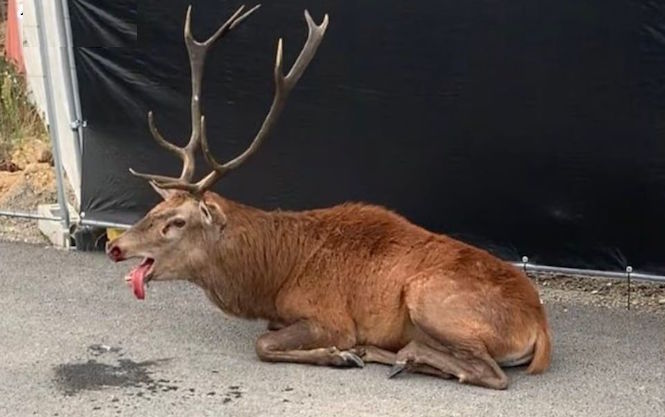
{"type": "Point", "coordinates": [256, 253]}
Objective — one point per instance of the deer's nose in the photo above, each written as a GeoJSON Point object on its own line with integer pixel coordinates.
{"type": "Point", "coordinates": [114, 252]}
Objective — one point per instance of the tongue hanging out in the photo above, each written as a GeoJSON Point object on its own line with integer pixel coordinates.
{"type": "Point", "coordinates": [136, 277]}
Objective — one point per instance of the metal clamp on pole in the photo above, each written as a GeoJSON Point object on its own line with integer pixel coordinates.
{"type": "Point", "coordinates": [77, 124]}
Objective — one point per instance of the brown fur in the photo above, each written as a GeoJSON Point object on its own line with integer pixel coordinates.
{"type": "Point", "coordinates": [348, 278]}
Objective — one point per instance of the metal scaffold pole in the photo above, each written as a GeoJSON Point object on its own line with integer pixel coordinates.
{"type": "Point", "coordinates": [52, 118]}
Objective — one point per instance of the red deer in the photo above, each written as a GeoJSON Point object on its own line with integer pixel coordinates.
{"type": "Point", "coordinates": [339, 286]}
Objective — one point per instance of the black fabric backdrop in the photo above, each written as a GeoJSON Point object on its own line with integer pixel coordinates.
{"type": "Point", "coordinates": [530, 127]}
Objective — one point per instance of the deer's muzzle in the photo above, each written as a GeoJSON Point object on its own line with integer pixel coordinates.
{"type": "Point", "coordinates": [114, 252]}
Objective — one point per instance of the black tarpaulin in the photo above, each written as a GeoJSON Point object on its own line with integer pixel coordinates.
{"type": "Point", "coordinates": [528, 127]}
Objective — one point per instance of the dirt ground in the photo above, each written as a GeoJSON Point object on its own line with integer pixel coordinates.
{"type": "Point", "coordinates": [25, 189]}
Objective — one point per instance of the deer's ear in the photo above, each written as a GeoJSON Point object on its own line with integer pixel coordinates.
{"type": "Point", "coordinates": [206, 215]}
{"type": "Point", "coordinates": [164, 193]}
{"type": "Point", "coordinates": [211, 214]}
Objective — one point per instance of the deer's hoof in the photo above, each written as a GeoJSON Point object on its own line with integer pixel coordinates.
{"type": "Point", "coordinates": [350, 359]}
{"type": "Point", "coordinates": [397, 369]}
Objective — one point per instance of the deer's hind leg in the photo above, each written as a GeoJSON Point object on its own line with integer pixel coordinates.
{"type": "Point", "coordinates": [468, 366]}
{"type": "Point", "coordinates": [451, 338]}
{"type": "Point", "coordinates": [377, 355]}
{"type": "Point", "coordinates": [310, 343]}
{"type": "Point", "coordinates": [275, 325]}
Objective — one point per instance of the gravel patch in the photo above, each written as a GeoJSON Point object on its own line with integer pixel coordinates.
{"type": "Point", "coordinates": [602, 292]}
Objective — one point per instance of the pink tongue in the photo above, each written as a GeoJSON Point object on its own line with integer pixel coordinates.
{"type": "Point", "coordinates": [137, 276]}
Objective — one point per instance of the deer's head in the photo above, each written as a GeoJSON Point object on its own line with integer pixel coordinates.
{"type": "Point", "coordinates": [179, 230]}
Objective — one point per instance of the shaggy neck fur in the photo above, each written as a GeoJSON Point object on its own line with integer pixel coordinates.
{"type": "Point", "coordinates": [250, 253]}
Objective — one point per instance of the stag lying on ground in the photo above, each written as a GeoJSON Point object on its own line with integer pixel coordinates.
{"type": "Point", "coordinates": [339, 286]}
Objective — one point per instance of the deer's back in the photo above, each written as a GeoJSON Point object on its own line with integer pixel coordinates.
{"type": "Point", "coordinates": [364, 243]}
{"type": "Point", "coordinates": [362, 258]}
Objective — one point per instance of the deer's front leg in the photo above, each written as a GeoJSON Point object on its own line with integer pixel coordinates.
{"type": "Point", "coordinates": [308, 342]}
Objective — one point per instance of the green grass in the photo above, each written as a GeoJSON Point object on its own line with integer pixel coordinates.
{"type": "Point", "coordinates": [19, 119]}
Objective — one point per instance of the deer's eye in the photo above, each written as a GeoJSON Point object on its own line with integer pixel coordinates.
{"type": "Point", "coordinates": [179, 223]}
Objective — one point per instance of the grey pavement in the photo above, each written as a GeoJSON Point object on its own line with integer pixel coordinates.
{"type": "Point", "coordinates": [75, 342]}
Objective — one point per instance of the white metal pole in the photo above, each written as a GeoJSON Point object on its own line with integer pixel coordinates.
{"type": "Point", "coordinates": [52, 117]}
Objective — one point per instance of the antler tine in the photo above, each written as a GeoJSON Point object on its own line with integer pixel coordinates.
{"type": "Point", "coordinates": [159, 138]}
{"type": "Point", "coordinates": [283, 86]}
{"type": "Point", "coordinates": [178, 151]}
{"type": "Point", "coordinates": [233, 21]}
{"type": "Point", "coordinates": [197, 53]}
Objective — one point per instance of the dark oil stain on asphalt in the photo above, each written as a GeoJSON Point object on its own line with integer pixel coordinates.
{"type": "Point", "coordinates": [232, 393]}
{"type": "Point", "coordinates": [93, 375]}
{"type": "Point", "coordinates": [109, 369]}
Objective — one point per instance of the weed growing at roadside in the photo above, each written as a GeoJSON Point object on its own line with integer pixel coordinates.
{"type": "Point", "coordinates": [19, 119]}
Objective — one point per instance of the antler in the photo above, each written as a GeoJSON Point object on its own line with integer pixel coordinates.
{"type": "Point", "coordinates": [197, 53]}
{"type": "Point", "coordinates": [283, 86]}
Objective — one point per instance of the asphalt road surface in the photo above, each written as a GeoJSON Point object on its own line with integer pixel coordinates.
{"type": "Point", "coordinates": [75, 342]}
